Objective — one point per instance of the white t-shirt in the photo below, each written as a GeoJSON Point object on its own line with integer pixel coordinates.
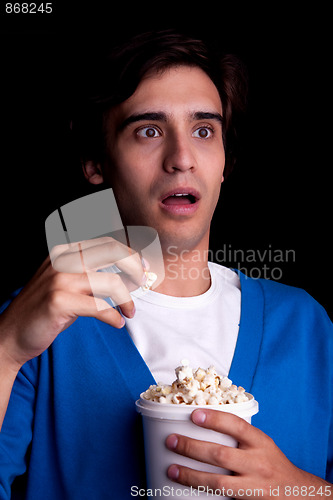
{"type": "Point", "coordinates": [202, 329]}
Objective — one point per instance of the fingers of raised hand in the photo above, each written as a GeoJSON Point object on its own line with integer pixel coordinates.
{"type": "Point", "coordinates": [91, 255]}
{"type": "Point", "coordinates": [100, 285]}
{"type": "Point", "coordinates": [64, 305]}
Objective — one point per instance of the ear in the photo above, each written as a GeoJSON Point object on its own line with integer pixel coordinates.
{"type": "Point", "coordinates": [93, 172]}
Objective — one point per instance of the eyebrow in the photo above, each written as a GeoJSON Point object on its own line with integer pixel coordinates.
{"type": "Point", "coordinates": [162, 117]}
{"type": "Point", "coordinates": [149, 116]}
{"type": "Point", "coordinates": [202, 115]}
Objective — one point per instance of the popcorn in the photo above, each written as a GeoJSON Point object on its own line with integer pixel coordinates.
{"type": "Point", "coordinates": [196, 387]}
{"type": "Point", "coordinates": [184, 373]}
{"type": "Point", "coordinates": [150, 280]}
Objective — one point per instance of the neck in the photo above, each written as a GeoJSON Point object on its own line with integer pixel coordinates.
{"type": "Point", "coordinates": [186, 272]}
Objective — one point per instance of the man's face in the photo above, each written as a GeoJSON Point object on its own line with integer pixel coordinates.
{"type": "Point", "coordinates": [165, 156]}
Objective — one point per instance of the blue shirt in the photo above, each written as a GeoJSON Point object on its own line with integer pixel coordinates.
{"type": "Point", "coordinates": [71, 429]}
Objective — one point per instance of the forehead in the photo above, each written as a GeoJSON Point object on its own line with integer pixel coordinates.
{"type": "Point", "coordinates": [177, 90]}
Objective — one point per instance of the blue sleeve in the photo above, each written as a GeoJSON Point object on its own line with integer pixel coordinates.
{"type": "Point", "coordinates": [300, 343]}
{"type": "Point", "coordinates": [16, 432]}
{"type": "Point", "coordinates": [327, 327]}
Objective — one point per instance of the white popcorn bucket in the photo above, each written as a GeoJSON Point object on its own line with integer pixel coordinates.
{"type": "Point", "coordinates": [160, 420]}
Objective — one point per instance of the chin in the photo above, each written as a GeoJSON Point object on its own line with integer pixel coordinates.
{"type": "Point", "coordinates": [181, 241]}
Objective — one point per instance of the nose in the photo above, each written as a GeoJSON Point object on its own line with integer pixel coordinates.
{"type": "Point", "coordinates": [179, 155]}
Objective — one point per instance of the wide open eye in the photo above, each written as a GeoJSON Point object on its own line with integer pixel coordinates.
{"type": "Point", "coordinates": [203, 133]}
{"type": "Point", "coordinates": [148, 132]}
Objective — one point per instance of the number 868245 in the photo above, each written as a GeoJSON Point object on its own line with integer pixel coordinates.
{"type": "Point", "coordinates": [28, 8]}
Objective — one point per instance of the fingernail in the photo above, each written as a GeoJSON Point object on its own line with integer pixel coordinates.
{"type": "Point", "coordinates": [122, 322]}
{"type": "Point", "coordinates": [173, 472]}
{"type": "Point", "coordinates": [132, 312]}
{"type": "Point", "coordinates": [171, 442]}
{"type": "Point", "coordinates": [198, 417]}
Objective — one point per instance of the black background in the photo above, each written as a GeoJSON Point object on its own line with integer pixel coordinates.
{"type": "Point", "coordinates": [278, 197]}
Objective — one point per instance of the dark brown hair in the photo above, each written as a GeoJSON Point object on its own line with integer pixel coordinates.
{"type": "Point", "coordinates": [117, 75]}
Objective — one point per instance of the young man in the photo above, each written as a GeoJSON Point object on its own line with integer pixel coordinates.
{"type": "Point", "coordinates": [165, 117]}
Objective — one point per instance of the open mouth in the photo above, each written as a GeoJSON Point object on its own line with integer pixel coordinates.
{"type": "Point", "coordinates": [180, 199]}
